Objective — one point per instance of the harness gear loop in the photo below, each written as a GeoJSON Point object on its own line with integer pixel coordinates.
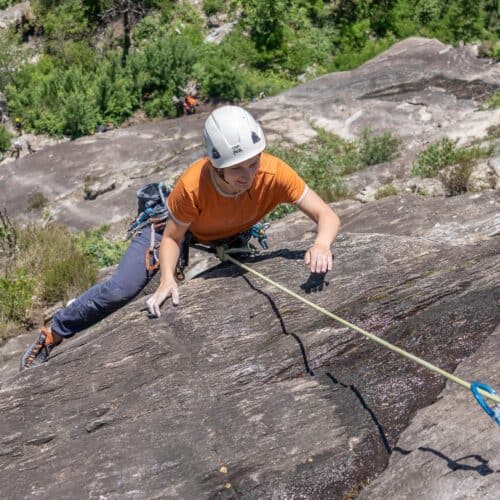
{"type": "Point", "coordinates": [494, 413]}
{"type": "Point", "coordinates": [479, 388]}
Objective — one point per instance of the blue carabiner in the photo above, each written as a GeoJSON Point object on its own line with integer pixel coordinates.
{"type": "Point", "coordinates": [494, 413]}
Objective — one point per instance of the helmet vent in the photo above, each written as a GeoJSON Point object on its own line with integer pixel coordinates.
{"type": "Point", "coordinates": [255, 138]}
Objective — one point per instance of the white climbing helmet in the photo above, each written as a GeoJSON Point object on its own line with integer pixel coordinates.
{"type": "Point", "coordinates": [231, 136]}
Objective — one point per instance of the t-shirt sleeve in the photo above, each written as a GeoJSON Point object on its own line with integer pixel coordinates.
{"type": "Point", "coordinates": [181, 204]}
{"type": "Point", "coordinates": [291, 187]}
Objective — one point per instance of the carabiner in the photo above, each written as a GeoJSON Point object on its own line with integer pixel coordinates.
{"type": "Point", "coordinates": [494, 413]}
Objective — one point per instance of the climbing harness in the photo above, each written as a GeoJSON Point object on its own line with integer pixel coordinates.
{"type": "Point", "coordinates": [153, 212]}
{"type": "Point", "coordinates": [240, 244]}
{"type": "Point", "coordinates": [479, 389]}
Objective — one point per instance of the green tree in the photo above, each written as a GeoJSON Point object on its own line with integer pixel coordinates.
{"type": "Point", "coordinates": [463, 20]}
{"type": "Point", "coordinates": [114, 95]}
{"type": "Point", "coordinates": [160, 69]}
{"type": "Point", "coordinates": [222, 80]}
{"type": "Point", "coordinates": [266, 21]}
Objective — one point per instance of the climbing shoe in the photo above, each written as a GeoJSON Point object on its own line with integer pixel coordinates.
{"type": "Point", "coordinates": [39, 351]}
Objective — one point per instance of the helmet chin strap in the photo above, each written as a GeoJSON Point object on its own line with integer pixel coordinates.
{"type": "Point", "coordinates": [220, 174]}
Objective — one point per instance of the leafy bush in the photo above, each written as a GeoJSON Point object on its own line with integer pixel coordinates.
{"type": "Point", "coordinates": [455, 178]}
{"type": "Point", "coordinates": [5, 139]}
{"type": "Point", "coordinates": [444, 153]}
{"type": "Point", "coordinates": [51, 254]}
{"type": "Point", "coordinates": [374, 149]}
{"type": "Point", "coordinates": [16, 292]}
{"type": "Point", "coordinates": [99, 249]}
{"type": "Point", "coordinates": [50, 265]}
{"type": "Point", "coordinates": [220, 79]}
{"type": "Point", "coordinates": [160, 68]}
{"type": "Point", "coordinates": [387, 190]}
{"type": "Point", "coordinates": [493, 102]}
{"type": "Point", "coordinates": [67, 277]}
{"type": "Point", "coordinates": [213, 6]}
{"type": "Point", "coordinates": [323, 162]}
{"type": "Point", "coordinates": [36, 201]}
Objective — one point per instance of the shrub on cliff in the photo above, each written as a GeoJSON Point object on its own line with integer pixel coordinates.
{"type": "Point", "coordinates": [5, 139]}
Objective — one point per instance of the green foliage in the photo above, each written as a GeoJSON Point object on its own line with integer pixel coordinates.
{"type": "Point", "coordinates": [462, 20]}
{"type": "Point", "coordinates": [66, 278]}
{"type": "Point", "coordinates": [493, 102]}
{"type": "Point", "coordinates": [48, 266]}
{"type": "Point", "coordinates": [350, 58]}
{"type": "Point", "coordinates": [323, 162]}
{"type": "Point", "coordinates": [99, 249]}
{"type": "Point", "coordinates": [222, 80]}
{"type": "Point", "coordinates": [54, 100]}
{"type": "Point", "coordinates": [375, 149]}
{"type": "Point", "coordinates": [5, 139]}
{"type": "Point", "coordinates": [78, 115]}
{"type": "Point", "coordinates": [51, 265]}
{"type": "Point", "coordinates": [211, 7]}
{"type": "Point", "coordinates": [116, 96]}
{"type": "Point", "coordinates": [16, 292]}
{"type": "Point", "coordinates": [455, 177]}
{"type": "Point", "coordinates": [159, 70]}
{"type": "Point", "coordinates": [320, 163]}
{"type": "Point", "coordinates": [60, 21]}
{"type": "Point", "coordinates": [7, 3]}
{"type": "Point", "coordinates": [36, 201]}
{"type": "Point", "coordinates": [444, 153]}
{"type": "Point", "coordinates": [266, 22]}
{"type": "Point", "coordinates": [387, 190]}
{"type": "Point", "coordinates": [75, 86]}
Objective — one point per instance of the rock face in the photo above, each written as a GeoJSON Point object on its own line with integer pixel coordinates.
{"type": "Point", "coordinates": [129, 157]}
{"type": "Point", "coordinates": [241, 392]}
{"type": "Point", "coordinates": [430, 462]}
{"type": "Point", "coordinates": [420, 89]}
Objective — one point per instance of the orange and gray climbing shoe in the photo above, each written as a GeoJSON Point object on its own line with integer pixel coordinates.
{"type": "Point", "coordinates": [39, 351]}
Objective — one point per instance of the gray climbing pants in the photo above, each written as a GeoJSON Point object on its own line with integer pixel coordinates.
{"type": "Point", "coordinates": [129, 278]}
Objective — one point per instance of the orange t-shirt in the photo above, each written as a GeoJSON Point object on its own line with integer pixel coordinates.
{"type": "Point", "coordinates": [211, 215]}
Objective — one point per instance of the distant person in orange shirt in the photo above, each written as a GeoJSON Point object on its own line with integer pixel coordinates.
{"type": "Point", "coordinates": [220, 196]}
{"type": "Point", "coordinates": [189, 105]}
